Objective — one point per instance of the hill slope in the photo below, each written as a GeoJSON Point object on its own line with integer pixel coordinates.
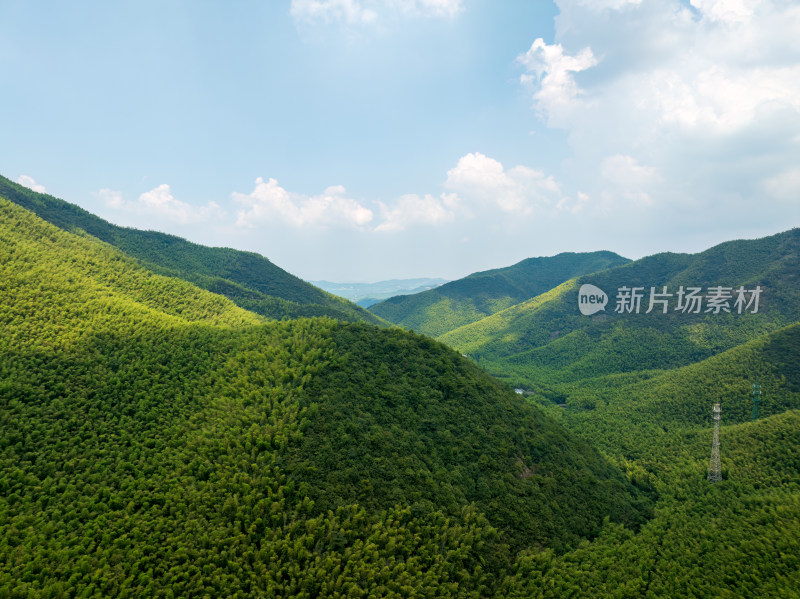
{"type": "Point", "coordinates": [739, 537]}
{"type": "Point", "coordinates": [480, 294]}
{"type": "Point", "coordinates": [155, 439]}
{"type": "Point", "coordinates": [250, 280]}
{"type": "Point", "coordinates": [546, 340]}
{"type": "Point", "coordinates": [57, 286]}
{"type": "Point", "coordinates": [653, 403]}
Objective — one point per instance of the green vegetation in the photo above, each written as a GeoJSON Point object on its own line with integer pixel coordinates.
{"type": "Point", "coordinates": [612, 410]}
{"type": "Point", "coordinates": [546, 341]}
{"type": "Point", "coordinates": [418, 425]}
{"type": "Point", "coordinates": [56, 287]}
{"type": "Point", "coordinates": [458, 303]}
{"type": "Point", "coordinates": [157, 440]}
{"type": "Point", "coordinates": [248, 279]}
{"type": "Point", "coordinates": [640, 388]}
{"type": "Point", "coordinates": [738, 538]}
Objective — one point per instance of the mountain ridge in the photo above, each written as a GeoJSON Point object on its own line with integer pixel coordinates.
{"type": "Point", "coordinates": [247, 278]}
{"type": "Point", "coordinates": [155, 438]}
{"type": "Point", "coordinates": [481, 294]}
{"type": "Point", "coordinates": [550, 339]}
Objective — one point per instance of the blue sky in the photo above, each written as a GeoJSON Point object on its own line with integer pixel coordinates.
{"type": "Point", "coordinates": [359, 140]}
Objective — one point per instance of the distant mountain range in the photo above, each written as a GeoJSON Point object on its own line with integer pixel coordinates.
{"type": "Point", "coordinates": [546, 339]}
{"type": "Point", "coordinates": [368, 294]}
{"type": "Point", "coordinates": [524, 325]}
{"type": "Point", "coordinates": [458, 303]}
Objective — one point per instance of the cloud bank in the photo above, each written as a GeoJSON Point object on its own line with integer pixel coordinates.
{"type": "Point", "coordinates": [692, 110]}
{"type": "Point", "coordinates": [677, 126]}
{"type": "Point", "coordinates": [476, 187]}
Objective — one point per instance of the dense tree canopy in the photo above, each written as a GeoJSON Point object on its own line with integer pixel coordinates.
{"type": "Point", "coordinates": [248, 279]}
{"type": "Point", "coordinates": [158, 440]}
{"type": "Point", "coordinates": [546, 340]}
{"type": "Point", "coordinates": [459, 303]}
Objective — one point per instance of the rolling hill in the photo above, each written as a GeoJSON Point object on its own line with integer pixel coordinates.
{"type": "Point", "coordinates": [546, 340]}
{"type": "Point", "coordinates": [738, 537]}
{"type": "Point", "coordinates": [158, 440]}
{"type": "Point", "coordinates": [639, 385]}
{"type": "Point", "coordinates": [653, 403]}
{"type": "Point", "coordinates": [248, 279]}
{"type": "Point", "coordinates": [480, 294]}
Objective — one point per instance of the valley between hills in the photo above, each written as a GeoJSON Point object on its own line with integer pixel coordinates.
{"type": "Point", "coordinates": [182, 421]}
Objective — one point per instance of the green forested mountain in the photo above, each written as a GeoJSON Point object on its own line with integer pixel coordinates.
{"type": "Point", "coordinates": [649, 404]}
{"type": "Point", "coordinates": [57, 287]}
{"type": "Point", "coordinates": [737, 538]}
{"type": "Point", "coordinates": [458, 303]}
{"type": "Point", "coordinates": [157, 440]}
{"type": "Point", "coordinates": [248, 279]}
{"type": "Point", "coordinates": [640, 387]}
{"type": "Point", "coordinates": [546, 339]}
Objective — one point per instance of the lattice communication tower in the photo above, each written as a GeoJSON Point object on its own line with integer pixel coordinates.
{"type": "Point", "coordinates": [714, 468]}
{"type": "Point", "coordinates": [756, 397]}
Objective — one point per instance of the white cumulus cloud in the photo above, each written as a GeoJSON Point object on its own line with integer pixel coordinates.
{"type": "Point", "coordinates": [685, 108]}
{"type": "Point", "coordinates": [552, 72]}
{"type": "Point", "coordinates": [485, 182]}
{"type": "Point", "coordinates": [726, 11]}
{"type": "Point", "coordinates": [412, 209]}
{"type": "Point", "coordinates": [477, 188]}
{"type": "Point", "coordinates": [159, 205]}
{"type": "Point", "coordinates": [29, 182]}
{"type": "Point", "coordinates": [271, 203]}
